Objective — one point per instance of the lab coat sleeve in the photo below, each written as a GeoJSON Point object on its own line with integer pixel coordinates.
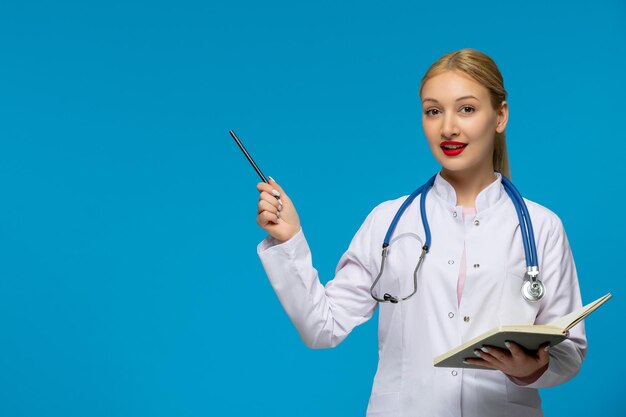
{"type": "Point", "coordinates": [558, 273]}
{"type": "Point", "coordinates": [323, 315]}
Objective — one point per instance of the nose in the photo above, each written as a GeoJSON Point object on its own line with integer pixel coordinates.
{"type": "Point", "coordinates": [449, 128]}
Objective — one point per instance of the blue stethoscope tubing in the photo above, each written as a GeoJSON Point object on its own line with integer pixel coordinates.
{"type": "Point", "coordinates": [532, 289]}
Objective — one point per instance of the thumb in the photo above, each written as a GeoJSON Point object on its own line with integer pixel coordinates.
{"type": "Point", "coordinates": [544, 352]}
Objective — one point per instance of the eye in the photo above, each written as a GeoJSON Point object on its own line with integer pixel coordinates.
{"type": "Point", "coordinates": [431, 112]}
{"type": "Point", "coordinates": [467, 109]}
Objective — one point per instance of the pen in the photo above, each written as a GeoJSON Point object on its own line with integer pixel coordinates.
{"type": "Point", "coordinates": [258, 171]}
{"type": "Point", "coordinates": [256, 168]}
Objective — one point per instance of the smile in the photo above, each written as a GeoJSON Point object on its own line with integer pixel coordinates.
{"type": "Point", "coordinates": [450, 148]}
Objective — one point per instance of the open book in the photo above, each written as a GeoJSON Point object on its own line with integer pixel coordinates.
{"type": "Point", "coordinates": [529, 336]}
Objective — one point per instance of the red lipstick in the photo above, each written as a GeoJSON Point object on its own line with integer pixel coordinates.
{"type": "Point", "coordinates": [451, 148]}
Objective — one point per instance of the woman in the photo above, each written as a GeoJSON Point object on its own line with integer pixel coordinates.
{"type": "Point", "coordinates": [468, 283]}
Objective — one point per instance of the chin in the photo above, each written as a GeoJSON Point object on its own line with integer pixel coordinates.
{"type": "Point", "coordinates": [462, 163]}
{"type": "Point", "coordinates": [453, 165]}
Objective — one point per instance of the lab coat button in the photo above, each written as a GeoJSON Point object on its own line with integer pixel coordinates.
{"type": "Point", "coordinates": [466, 319]}
{"type": "Point", "coordinates": [450, 262]}
{"type": "Point", "coordinates": [476, 222]}
{"type": "Point", "coordinates": [450, 314]}
{"type": "Point", "coordinates": [454, 214]}
{"type": "Point", "coordinates": [476, 265]}
{"type": "Point", "coordinates": [454, 373]}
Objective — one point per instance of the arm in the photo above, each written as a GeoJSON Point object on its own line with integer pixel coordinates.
{"type": "Point", "coordinates": [323, 315]}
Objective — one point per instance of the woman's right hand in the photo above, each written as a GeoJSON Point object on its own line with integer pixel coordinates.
{"type": "Point", "coordinates": [278, 217]}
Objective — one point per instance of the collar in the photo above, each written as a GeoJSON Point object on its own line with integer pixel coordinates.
{"type": "Point", "coordinates": [488, 197]}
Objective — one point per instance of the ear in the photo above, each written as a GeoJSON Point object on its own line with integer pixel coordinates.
{"type": "Point", "coordinates": [503, 117]}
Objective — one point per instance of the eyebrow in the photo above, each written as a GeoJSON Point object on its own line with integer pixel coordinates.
{"type": "Point", "coordinates": [458, 99]}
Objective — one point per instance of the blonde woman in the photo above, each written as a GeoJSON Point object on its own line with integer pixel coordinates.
{"type": "Point", "coordinates": [468, 283]}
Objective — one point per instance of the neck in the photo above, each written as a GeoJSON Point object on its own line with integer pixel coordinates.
{"type": "Point", "coordinates": [467, 185]}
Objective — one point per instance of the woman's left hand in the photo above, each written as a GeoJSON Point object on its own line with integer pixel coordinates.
{"type": "Point", "coordinates": [515, 361]}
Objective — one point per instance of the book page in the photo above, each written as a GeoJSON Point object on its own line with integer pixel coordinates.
{"type": "Point", "coordinates": [570, 320]}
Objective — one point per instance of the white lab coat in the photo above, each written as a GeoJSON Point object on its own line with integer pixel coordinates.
{"type": "Point", "coordinates": [430, 323]}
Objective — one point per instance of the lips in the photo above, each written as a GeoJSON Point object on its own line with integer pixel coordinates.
{"type": "Point", "coordinates": [451, 148]}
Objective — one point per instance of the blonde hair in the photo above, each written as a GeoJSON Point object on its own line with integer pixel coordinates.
{"type": "Point", "coordinates": [484, 70]}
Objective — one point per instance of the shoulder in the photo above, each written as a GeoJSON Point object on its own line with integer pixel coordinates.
{"type": "Point", "coordinates": [388, 208]}
{"type": "Point", "coordinates": [381, 215]}
{"type": "Point", "coordinates": [544, 219]}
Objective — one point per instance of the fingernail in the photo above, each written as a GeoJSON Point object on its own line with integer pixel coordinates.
{"type": "Point", "coordinates": [477, 352]}
{"type": "Point", "coordinates": [280, 207]}
{"type": "Point", "coordinates": [276, 193]}
{"type": "Point", "coordinates": [547, 348]}
{"type": "Point", "coordinates": [466, 362]}
{"type": "Point", "coordinates": [484, 349]}
{"type": "Point", "coordinates": [507, 344]}
{"type": "Point", "coordinates": [271, 179]}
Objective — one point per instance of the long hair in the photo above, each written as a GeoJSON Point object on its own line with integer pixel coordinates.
{"type": "Point", "coordinates": [484, 70]}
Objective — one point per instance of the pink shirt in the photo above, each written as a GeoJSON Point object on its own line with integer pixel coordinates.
{"type": "Point", "coordinates": [468, 212]}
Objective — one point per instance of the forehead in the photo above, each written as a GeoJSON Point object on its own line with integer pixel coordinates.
{"type": "Point", "coordinates": [452, 84]}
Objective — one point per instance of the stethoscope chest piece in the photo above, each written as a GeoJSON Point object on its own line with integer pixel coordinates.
{"type": "Point", "coordinates": [533, 290]}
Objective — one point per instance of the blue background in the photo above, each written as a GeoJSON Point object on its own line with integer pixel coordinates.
{"type": "Point", "coordinates": [129, 279]}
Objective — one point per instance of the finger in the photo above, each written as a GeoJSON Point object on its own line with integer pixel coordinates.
{"type": "Point", "coordinates": [487, 356]}
{"type": "Point", "coordinates": [269, 186]}
{"type": "Point", "coordinates": [266, 206]}
{"type": "Point", "coordinates": [261, 186]}
{"type": "Point", "coordinates": [500, 354]}
{"type": "Point", "coordinates": [480, 362]}
{"type": "Point", "coordinates": [265, 196]}
{"type": "Point", "coordinates": [272, 189]}
{"type": "Point", "coordinates": [267, 217]}
{"type": "Point", "coordinates": [515, 349]}
{"type": "Point", "coordinates": [274, 184]}
{"type": "Point", "coordinates": [544, 353]}
{"type": "Point", "coordinates": [545, 346]}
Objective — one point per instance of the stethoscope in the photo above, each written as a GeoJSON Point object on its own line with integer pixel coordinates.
{"type": "Point", "coordinates": [532, 289]}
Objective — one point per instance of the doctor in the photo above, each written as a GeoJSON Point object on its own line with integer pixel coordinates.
{"type": "Point", "coordinates": [469, 282]}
